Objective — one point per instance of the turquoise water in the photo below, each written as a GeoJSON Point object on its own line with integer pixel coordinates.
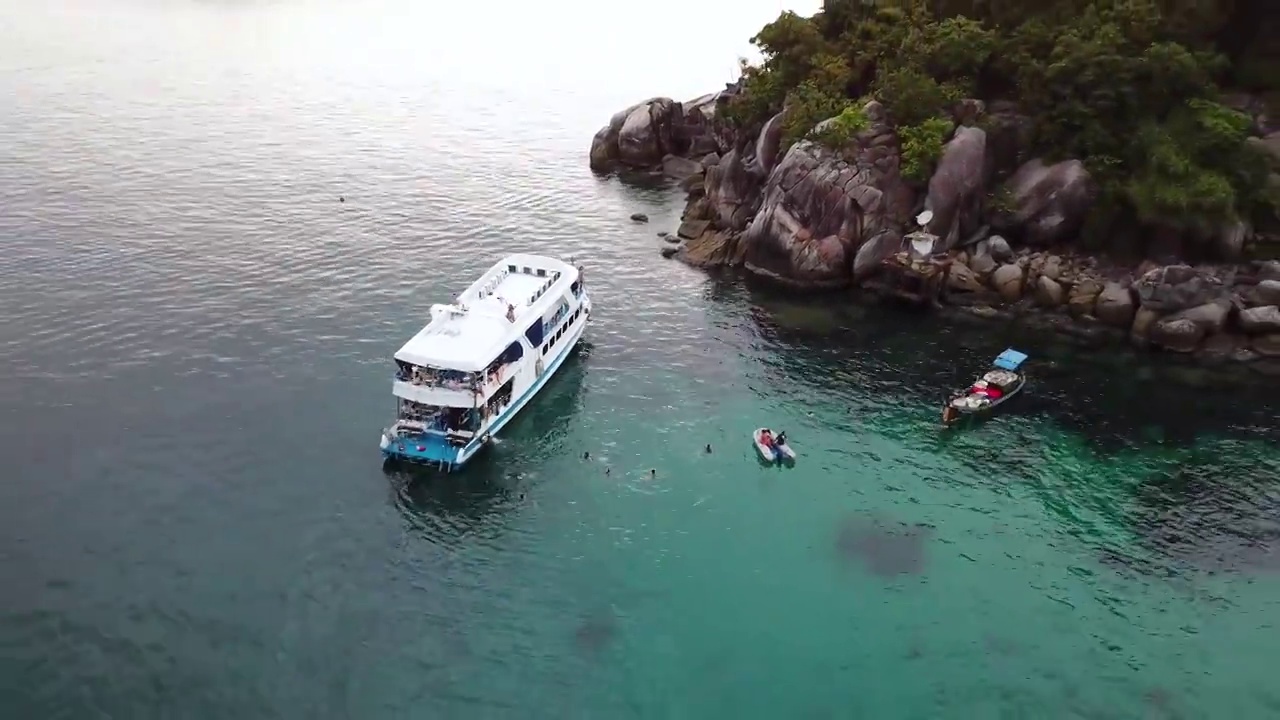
{"type": "Point", "coordinates": [195, 520]}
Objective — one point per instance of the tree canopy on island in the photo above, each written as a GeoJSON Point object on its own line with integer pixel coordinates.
{"type": "Point", "coordinates": [1134, 88]}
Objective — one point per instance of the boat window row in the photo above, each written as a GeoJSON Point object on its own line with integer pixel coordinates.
{"type": "Point", "coordinates": [553, 340]}
{"type": "Point", "coordinates": [536, 272]}
{"type": "Point", "coordinates": [499, 402]}
{"type": "Point", "coordinates": [555, 319]}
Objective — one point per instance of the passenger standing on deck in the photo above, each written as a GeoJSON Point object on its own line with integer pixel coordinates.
{"type": "Point", "coordinates": [511, 312]}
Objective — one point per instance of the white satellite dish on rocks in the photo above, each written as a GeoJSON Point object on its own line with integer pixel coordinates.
{"type": "Point", "coordinates": [924, 218]}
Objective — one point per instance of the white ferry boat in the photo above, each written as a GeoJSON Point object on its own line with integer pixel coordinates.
{"type": "Point", "coordinates": [470, 370]}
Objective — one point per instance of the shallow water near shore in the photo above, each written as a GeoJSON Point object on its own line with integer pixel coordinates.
{"type": "Point", "coordinates": [195, 521]}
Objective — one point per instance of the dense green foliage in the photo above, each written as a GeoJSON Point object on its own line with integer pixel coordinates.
{"type": "Point", "coordinates": [1131, 87]}
{"type": "Point", "coordinates": [922, 146]}
{"type": "Point", "coordinates": [841, 128]}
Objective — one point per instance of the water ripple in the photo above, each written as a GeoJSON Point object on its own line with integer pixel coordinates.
{"type": "Point", "coordinates": [217, 230]}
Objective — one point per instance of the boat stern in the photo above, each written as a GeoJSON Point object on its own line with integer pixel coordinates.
{"type": "Point", "coordinates": [428, 449]}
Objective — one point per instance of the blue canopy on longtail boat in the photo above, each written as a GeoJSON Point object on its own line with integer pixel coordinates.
{"type": "Point", "coordinates": [1010, 360]}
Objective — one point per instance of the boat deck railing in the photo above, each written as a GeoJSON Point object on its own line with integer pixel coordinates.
{"type": "Point", "coordinates": [491, 380]}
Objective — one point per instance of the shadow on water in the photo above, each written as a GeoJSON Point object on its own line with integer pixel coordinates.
{"type": "Point", "coordinates": [1178, 467]}
{"type": "Point", "coordinates": [886, 548]}
{"type": "Point", "coordinates": [498, 478]}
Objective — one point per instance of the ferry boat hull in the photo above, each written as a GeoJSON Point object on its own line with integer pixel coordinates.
{"type": "Point", "coordinates": [542, 334]}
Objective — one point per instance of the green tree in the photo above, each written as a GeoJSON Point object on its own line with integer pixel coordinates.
{"type": "Point", "coordinates": [1131, 87]}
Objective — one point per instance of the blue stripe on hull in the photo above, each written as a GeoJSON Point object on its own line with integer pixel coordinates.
{"type": "Point", "coordinates": [437, 451]}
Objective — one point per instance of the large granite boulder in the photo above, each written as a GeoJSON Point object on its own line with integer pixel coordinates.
{"type": "Point", "coordinates": [734, 182]}
{"type": "Point", "coordinates": [1047, 203]}
{"type": "Point", "coordinates": [1269, 147]}
{"type": "Point", "coordinates": [1176, 334]}
{"type": "Point", "coordinates": [1007, 280]}
{"type": "Point", "coordinates": [1143, 320]}
{"type": "Point", "coordinates": [1260, 320]}
{"type": "Point", "coordinates": [1210, 317]}
{"type": "Point", "coordinates": [821, 206]}
{"type": "Point", "coordinates": [997, 247]}
{"type": "Point", "coordinates": [958, 187]}
{"type": "Point", "coordinates": [1229, 241]}
{"type": "Point", "coordinates": [732, 191]}
{"type": "Point", "coordinates": [1115, 306]}
{"type": "Point", "coordinates": [1082, 297]}
{"type": "Point", "coordinates": [1269, 270]}
{"type": "Point", "coordinates": [1178, 287]}
{"type": "Point", "coordinates": [1266, 345]}
{"type": "Point", "coordinates": [643, 134]}
{"type": "Point", "coordinates": [961, 277]}
{"type": "Point", "coordinates": [1009, 135]}
{"type": "Point", "coordinates": [1048, 292]}
{"type": "Point", "coordinates": [1266, 292]}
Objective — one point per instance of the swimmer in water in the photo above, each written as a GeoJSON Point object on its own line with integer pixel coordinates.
{"type": "Point", "coordinates": [608, 470]}
{"type": "Point", "coordinates": [708, 447]}
{"type": "Point", "coordinates": [586, 456]}
{"type": "Point", "coordinates": [653, 472]}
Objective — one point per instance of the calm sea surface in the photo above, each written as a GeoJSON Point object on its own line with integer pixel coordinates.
{"type": "Point", "coordinates": [195, 342]}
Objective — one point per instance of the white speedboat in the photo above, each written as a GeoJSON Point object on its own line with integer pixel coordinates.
{"type": "Point", "coordinates": [480, 360]}
{"type": "Point", "coordinates": [780, 451]}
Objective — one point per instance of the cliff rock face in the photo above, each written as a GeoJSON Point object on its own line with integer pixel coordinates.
{"type": "Point", "coordinates": [820, 207]}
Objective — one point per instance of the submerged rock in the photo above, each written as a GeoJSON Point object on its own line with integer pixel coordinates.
{"type": "Point", "coordinates": [887, 549]}
{"type": "Point", "coordinates": [596, 632]}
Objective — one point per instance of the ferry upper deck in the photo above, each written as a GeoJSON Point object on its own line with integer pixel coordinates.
{"type": "Point", "coordinates": [491, 314]}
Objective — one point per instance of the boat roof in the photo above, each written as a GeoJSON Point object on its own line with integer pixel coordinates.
{"type": "Point", "coordinates": [1010, 360]}
{"type": "Point", "coordinates": [471, 333]}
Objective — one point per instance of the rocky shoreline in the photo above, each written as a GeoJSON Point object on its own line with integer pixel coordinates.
{"type": "Point", "coordinates": [1007, 228]}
